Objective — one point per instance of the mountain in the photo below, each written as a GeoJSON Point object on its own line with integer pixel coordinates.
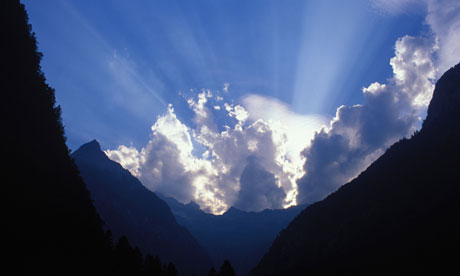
{"type": "Point", "coordinates": [239, 236]}
{"type": "Point", "coordinates": [128, 208]}
{"type": "Point", "coordinates": [400, 216]}
{"type": "Point", "coordinates": [50, 225]}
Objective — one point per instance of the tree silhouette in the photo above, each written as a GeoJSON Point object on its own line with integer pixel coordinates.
{"type": "Point", "coordinates": [212, 272]}
{"type": "Point", "coordinates": [226, 269]}
{"type": "Point", "coordinates": [171, 270]}
{"type": "Point", "coordinates": [152, 265]}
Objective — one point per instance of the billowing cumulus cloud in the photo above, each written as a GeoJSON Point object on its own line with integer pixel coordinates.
{"type": "Point", "coordinates": [128, 156]}
{"type": "Point", "coordinates": [271, 157]}
{"type": "Point", "coordinates": [258, 189]}
{"type": "Point", "coordinates": [359, 134]}
{"type": "Point", "coordinates": [252, 164]}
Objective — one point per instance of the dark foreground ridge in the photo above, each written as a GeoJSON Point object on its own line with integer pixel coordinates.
{"type": "Point", "coordinates": [399, 217]}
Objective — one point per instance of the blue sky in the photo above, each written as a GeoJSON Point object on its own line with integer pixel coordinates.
{"type": "Point", "coordinates": [312, 55]}
{"type": "Point", "coordinates": [187, 94]}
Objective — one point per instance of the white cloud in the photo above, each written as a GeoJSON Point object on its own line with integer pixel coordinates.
{"type": "Point", "coordinates": [256, 154]}
{"type": "Point", "coordinates": [237, 111]}
{"type": "Point", "coordinates": [256, 163]}
{"type": "Point", "coordinates": [359, 134]}
{"type": "Point", "coordinates": [297, 129]}
{"type": "Point", "coordinates": [226, 86]}
{"type": "Point", "coordinates": [443, 18]}
{"type": "Point", "coordinates": [128, 156]}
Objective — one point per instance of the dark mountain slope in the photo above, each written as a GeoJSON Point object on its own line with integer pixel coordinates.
{"type": "Point", "coordinates": [51, 225]}
{"type": "Point", "coordinates": [128, 208]}
{"type": "Point", "coordinates": [239, 236]}
{"type": "Point", "coordinates": [400, 216]}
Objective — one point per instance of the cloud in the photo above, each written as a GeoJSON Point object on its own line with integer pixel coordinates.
{"type": "Point", "coordinates": [256, 163]}
{"type": "Point", "coordinates": [444, 20]}
{"type": "Point", "coordinates": [128, 156]}
{"type": "Point", "coordinates": [226, 86]}
{"type": "Point", "coordinates": [255, 154]}
{"type": "Point", "coordinates": [298, 129]}
{"type": "Point", "coordinates": [268, 156]}
{"type": "Point", "coordinates": [359, 134]}
{"type": "Point", "coordinates": [259, 189]}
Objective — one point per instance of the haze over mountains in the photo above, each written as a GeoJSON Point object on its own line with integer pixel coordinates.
{"type": "Point", "coordinates": [239, 236]}
{"type": "Point", "coordinates": [400, 216]}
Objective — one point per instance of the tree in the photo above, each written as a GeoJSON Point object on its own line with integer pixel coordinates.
{"type": "Point", "coordinates": [212, 272]}
{"type": "Point", "coordinates": [171, 270]}
{"type": "Point", "coordinates": [152, 265]}
{"type": "Point", "coordinates": [226, 269]}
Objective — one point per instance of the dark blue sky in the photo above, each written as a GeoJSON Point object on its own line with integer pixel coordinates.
{"type": "Point", "coordinates": [116, 65]}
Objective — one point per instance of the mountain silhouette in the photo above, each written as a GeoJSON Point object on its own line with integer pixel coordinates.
{"type": "Point", "coordinates": [398, 217]}
{"type": "Point", "coordinates": [239, 236]}
{"type": "Point", "coordinates": [51, 226]}
{"type": "Point", "coordinates": [128, 208]}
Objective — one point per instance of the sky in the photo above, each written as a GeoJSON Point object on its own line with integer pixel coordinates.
{"type": "Point", "coordinates": [252, 104]}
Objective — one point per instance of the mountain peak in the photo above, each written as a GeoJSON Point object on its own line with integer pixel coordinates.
{"type": "Point", "coordinates": [91, 152]}
{"type": "Point", "coordinates": [232, 211]}
{"type": "Point", "coordinates": [91, 146]}
{"type": "Point", "coordinates": [192, 204]}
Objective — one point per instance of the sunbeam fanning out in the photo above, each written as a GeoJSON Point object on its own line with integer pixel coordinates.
{"type": "Point", "coordinates": [232, 137]}
{"type": "Point", "coordinates": [252, 104]}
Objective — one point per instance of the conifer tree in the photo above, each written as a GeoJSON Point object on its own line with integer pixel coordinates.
{"type": "Point", "coordinates": [226, 269]}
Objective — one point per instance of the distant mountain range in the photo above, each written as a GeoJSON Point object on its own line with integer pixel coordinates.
{"type": "Point", "coordinates": [128, 208]}
{"type": "Point", "coordinates": [242, 237]}
{"type": "Point", "coordinates": [401, 216]}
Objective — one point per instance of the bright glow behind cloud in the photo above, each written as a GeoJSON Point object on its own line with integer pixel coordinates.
{"type": "Point", "coordinates": [298, 129]}
{"type": "Point", "coordinates": [252, 165]}
{"type": "Point", "coordinates": [255, 162]}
